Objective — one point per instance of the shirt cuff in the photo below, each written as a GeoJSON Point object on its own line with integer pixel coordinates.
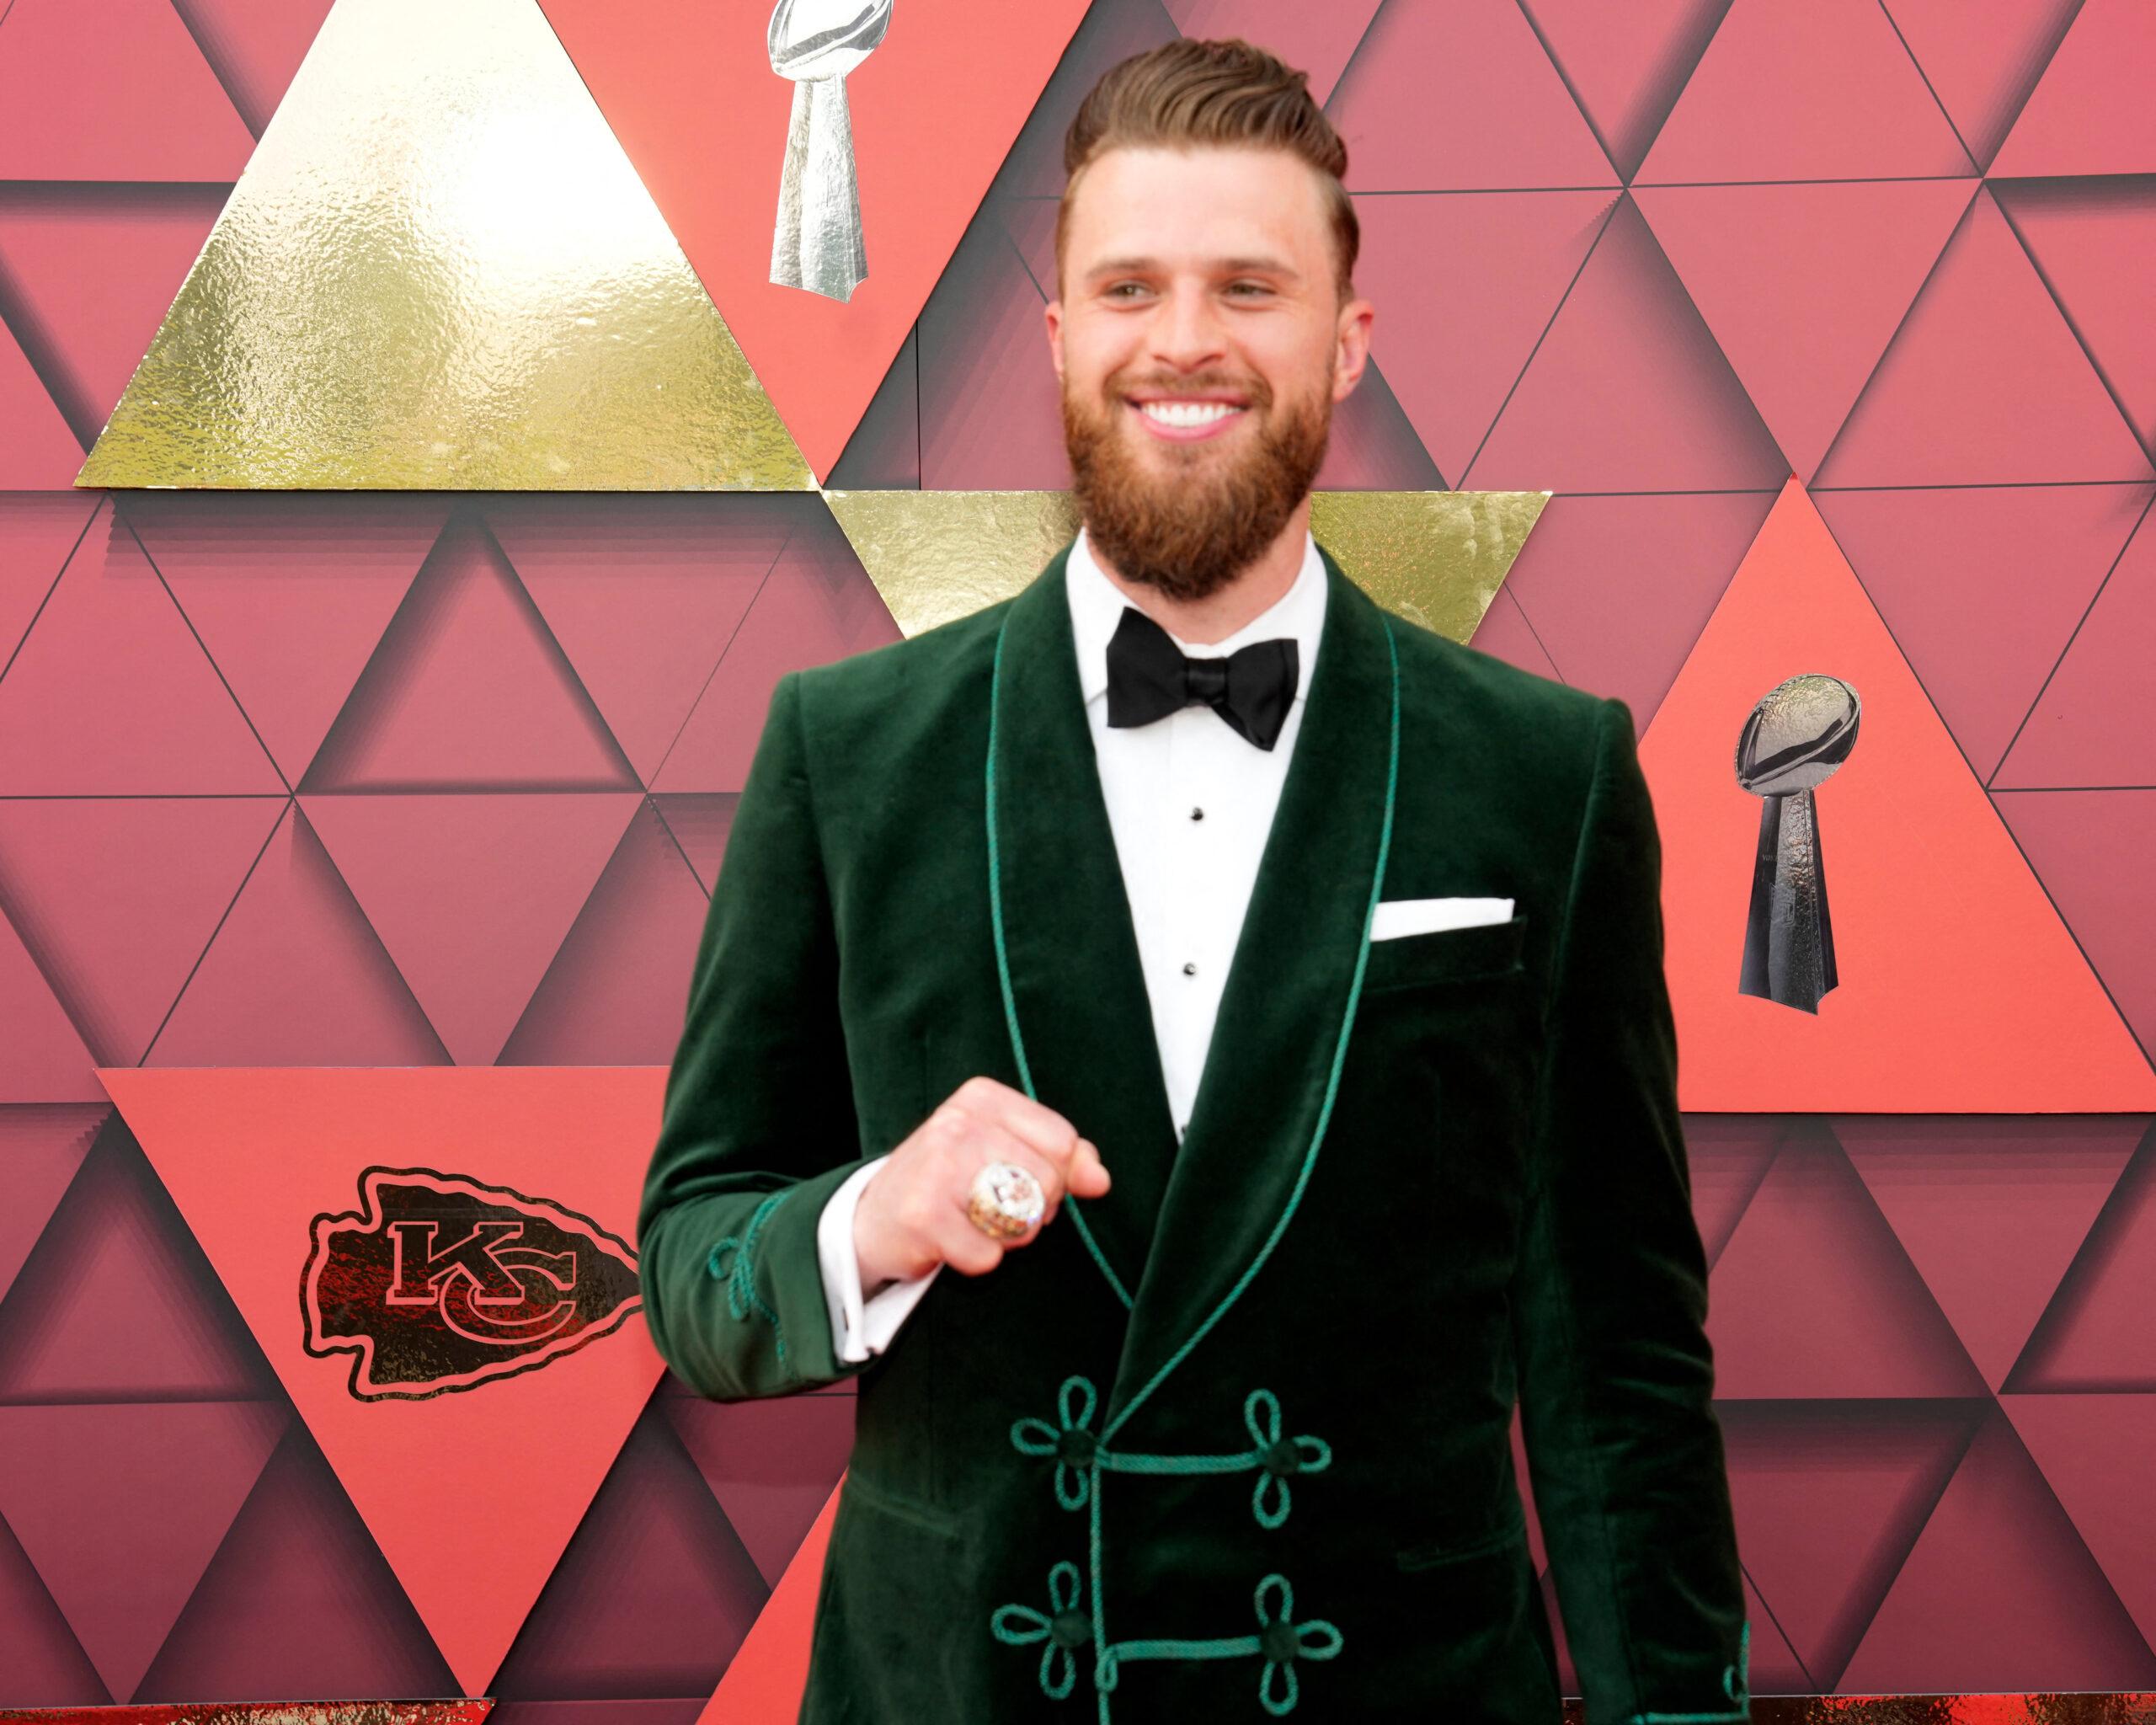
{"type": "Point", "coordinates": [860, 1329]}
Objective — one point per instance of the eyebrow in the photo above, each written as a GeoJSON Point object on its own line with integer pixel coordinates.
{"type": "Point", "coordinates": [1229, 266]}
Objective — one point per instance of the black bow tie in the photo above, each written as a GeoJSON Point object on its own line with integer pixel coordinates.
{"type": "Point", "coordinates": [1150, 677]}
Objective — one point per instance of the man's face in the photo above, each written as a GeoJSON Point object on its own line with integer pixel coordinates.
{"type": "Point", "coordinates": [1201, 346]}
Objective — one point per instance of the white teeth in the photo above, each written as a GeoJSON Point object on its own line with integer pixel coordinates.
{"type": "Point", "coordinates": [1186, 414]}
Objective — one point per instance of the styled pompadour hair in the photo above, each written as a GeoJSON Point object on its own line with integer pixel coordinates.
{"type": "Point", "coordinates": [1189, 94]}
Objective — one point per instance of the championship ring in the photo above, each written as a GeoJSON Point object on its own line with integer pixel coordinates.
{"type": "Point", "coordinates": [1004, 1200]}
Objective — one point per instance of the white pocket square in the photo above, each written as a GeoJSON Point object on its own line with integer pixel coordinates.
{"type": "Point", "coordinates": [1398, 917]}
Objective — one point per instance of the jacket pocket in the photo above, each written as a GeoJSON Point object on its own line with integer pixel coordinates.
{"type": "Point", "coordinates": [1482, 951]}
{"type": "Point", "coordinates": [898, 1593]}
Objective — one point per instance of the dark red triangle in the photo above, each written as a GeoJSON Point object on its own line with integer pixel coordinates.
{"type": "Point", "coordinates": [616, 993]}
{"type": "Point", "coordinates": [468, 690]}
{"type": "Point", "coordinates": [95, 266]}
{"type": "Point", "coordinates": [41, 1150]}
{"type": "Point", "coordinates": [2095, 1335]}
{"type": "Point", "coordinates": [1982, 63]}
{"type": "Point", "coordinates": [653, 1595]}
{"type": "Point", "coordinates": [289, 593]}
{"type": "Point", "coordinates": [1830, 1497]}
{"type": "Point", "coordinates": [38, 451]}
{"type": "Point", "coordinates": [1999, 1595]}
{"type": "Point", "coordinates": [1950, 571]}
{"type": "Point", "coordinates": [1628, 392]}
{"type": "Point", "coordinates": [42, 1058]}
{"type": "Point", "coordinates": [2093, 1451]}
{"type": "Point", "coordinates": [38, 534]}
{"type": "Point", "coordinates": [1984, 383]}
{"type": "Point", "coordinates": [115, 1303]}
{"type": "Point", "coordinates": [298, 1600]}
{"type": "Point", "coordinates": [1991, 1209]}
{"type": "Point", "coordinates": [2090, 727]}
{"type": "Point", "coordinates": [118, 92]}
{"type": "Point", "coordinates": [818, 606]}
{"type": "Point", "coordinates": [116, 897]}
{"type": "Point", "coordinates": [1625, 65]}
{"type": "Point", "coordinates": [296, 976]}
{"type": "Point", "coordinates": [1464, 284]}
{"type": "Point", "coordinates": [1804, 286]}
{"type": "Point", "coordinates": [110, 693]}
{"type": "Point", "coordinates": [643, 595]}
{"type": "Point", "coordinates": [254, 46]}
{"type": "Point", "coordinates": [121, 1507]}
{"type": "Point", "coordinates": [1620, 588]}
{"type": "Point", "coordinates": [45, 1665]}
{"type": "Point", "coordinates": [1826, 91]}
{"type": "Point", "coordinates": [770, 1464]}
{"type": "Point", "coordinates": [2090, 849]}
{"type": "Point", "coordinates": [472, 894]}
{"type": "Point", "coordinates": [699, 823]}
{"type": "Point", "coordinates": [2095, 244]}
{"type": "Point", "coordinates": [1507, 126]}
{"type": "Point", "coordinates": [1813, 1297]}
{"type": "Point", "coordinates": [2091, 114]}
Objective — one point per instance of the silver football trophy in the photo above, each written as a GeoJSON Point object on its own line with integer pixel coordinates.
{"type": "Point", "coordinates": [1800, 731]}
{"type": "Point", "coordinates": [817, 243]}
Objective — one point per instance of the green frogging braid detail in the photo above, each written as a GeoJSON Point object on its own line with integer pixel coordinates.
{"type": "Point", "coordinates": [1079, 1453]}
{"type": "Point", "coordinates": [742, 1296]}
{"type": "Point", "coordinates": [1106, 1654]}
{"type": "Point", "coordinates": [1069, 1441]}
{"type": "Point", "coordinates": [1280, 1638]}
{"type": "Point", "coordinates": [1064, 1627]}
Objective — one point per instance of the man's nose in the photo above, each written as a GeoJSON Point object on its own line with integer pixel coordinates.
{"type": "Point", "coordinates": [1188, 331]}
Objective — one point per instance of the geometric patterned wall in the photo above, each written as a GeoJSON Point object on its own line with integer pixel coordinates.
{"type": "Point", "coordinates": [421, 779]}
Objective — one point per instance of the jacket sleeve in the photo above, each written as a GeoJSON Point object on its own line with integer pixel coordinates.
{"type": "Point", "coordinates": [758, 1127]}
{"type": "Point", "coordinates": [1610, 1302]}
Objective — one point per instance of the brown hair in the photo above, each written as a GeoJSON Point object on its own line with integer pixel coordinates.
{"type": "Point", "coordinates": [1190, 93]}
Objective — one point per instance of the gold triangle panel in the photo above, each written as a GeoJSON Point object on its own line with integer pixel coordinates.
{"type": "Point", "coordinates": [1437, 558]}
{"type": "Point", "coordinates": [439, 271]}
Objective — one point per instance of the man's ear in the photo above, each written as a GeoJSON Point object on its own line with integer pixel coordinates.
{"type": "Point", "coordinates": [1351, 349]}
{"type": "Point", "coordinates": [1053, 313]}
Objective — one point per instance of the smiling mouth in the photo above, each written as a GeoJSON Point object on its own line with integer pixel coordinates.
{"type": "Point", "coordinates": [1188, 415]}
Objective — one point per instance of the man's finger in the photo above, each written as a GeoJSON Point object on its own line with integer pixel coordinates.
{"type": "Point", "coordinates": [1086, 1175]}
{"type": "Point", "coordinates": [1037, 1125]}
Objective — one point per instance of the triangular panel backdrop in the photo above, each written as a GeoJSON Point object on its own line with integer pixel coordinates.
{"type": "Point", "coordinates": [1718, 341]}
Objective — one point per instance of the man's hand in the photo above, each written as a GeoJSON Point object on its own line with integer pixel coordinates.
{"type": "Point", "coordinates": [912, 1213]}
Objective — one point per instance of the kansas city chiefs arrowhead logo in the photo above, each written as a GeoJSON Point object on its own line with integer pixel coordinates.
{"type": "Point", "coordinates": [439, 1283]}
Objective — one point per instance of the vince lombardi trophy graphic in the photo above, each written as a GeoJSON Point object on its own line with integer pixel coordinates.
{"type": "Point", "coordinates": [1800, 731]}
{"type": "Point", "coordinates": [817, 243]}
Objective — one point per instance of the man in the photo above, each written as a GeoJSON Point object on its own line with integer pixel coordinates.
{"type": "Point", "coordinates": [1304, 968]}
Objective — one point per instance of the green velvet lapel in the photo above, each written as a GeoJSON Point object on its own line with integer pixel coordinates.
{"type": "Point", "coordinates": [1181, 1228]}
{"type": "Point", "coordinates": [1243, 1158]}
{"type": "Point", "coordinates": [1075, 976]}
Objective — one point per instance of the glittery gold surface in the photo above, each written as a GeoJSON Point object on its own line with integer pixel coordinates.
{"type": "Point", "coordinates": [439, 271]}
{"type": "Point", "coordinates": [937, 555]}
{"type": "Point", "coordinates": [1437, 558]}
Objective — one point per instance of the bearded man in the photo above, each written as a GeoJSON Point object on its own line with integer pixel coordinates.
{"type": "Point", "coordinates": [1257, 1002]}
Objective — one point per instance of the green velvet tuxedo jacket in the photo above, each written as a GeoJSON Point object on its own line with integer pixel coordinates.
{"type": "Point", "coordinates": [1232, 1442]}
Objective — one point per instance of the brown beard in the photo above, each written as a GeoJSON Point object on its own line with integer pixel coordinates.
{"type": "Point", "coordinates": [1189, 535]}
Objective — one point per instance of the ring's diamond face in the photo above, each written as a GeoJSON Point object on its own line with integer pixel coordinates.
{"type": "Point", "coordinates": [1013, 1191]}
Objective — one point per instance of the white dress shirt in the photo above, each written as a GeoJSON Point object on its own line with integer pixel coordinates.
{"type": "Point", "coordinates": [1191, 803]}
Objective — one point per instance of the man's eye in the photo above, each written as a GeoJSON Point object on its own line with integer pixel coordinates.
{"type": "Point", "coordinates": [1126, 290]}
{"type": "Point", "coordinates": [1249, 289]}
